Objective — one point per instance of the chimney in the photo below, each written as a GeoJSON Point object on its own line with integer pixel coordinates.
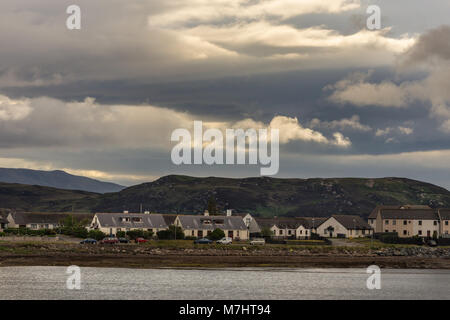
{"type": "Point", "coordinates": [146, 212]}
{"type": "Point", "coordinates": [229, 212]}
{"type": "Point", "coordinates": [206, 213]}
{"type": "Point", "coordinates": [125, 211]}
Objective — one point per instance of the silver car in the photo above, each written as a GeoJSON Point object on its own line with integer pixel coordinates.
{"type": "Point", "coordinates": [258, 241]}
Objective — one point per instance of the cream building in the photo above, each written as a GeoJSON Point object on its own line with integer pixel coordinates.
{"type": "Point", "coordinates": [111, 223]}
{"type": "Point", "coordinates": [345, 226]}
{"type": "Point", "coordinates": [409, 220]}
{"type": "Point", "coordinates": [200, 226]}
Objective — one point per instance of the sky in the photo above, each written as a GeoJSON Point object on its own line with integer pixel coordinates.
{"type": "Point", "coordinates": [104, 100]}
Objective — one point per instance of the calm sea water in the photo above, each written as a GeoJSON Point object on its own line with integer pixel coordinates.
{"type": "Point", "coordinates": [242, 283]}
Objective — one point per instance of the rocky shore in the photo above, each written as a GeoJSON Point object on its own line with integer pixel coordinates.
{"type": "Point", "coordinates": [143, 256]}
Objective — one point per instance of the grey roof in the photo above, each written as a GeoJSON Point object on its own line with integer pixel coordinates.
{"type": "Point", "coordinates": [201, 222]}
{"type": "Point", "coordinates": [415, 214]}
{"type": "Point", "coordinates": [24, 218]}
{"type": "Point", "coordinates": [290, 223]}
{"type": "Point", "coordinates": [169, 218]}
{"type": "Point", "coordinates": [352, 222]}
{"type": "Point", "coordinates": [445, 214]}
{"type": "Point", "coordinates": [144, 221]}
{"type": "Point", "coordinates": [381, 208]}
{"type": "Point", "coordinates": [253, 227]}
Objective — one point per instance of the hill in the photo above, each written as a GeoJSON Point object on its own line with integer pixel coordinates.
{"type": "Point", "coordinates": [273, 197]}
{"type": "Point", "coordinates": [38, 198]}
{"type": "Point", "coordinates": [57, 179]}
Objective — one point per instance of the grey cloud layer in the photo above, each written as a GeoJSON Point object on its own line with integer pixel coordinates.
{"type": "Point", "coordinates": [156, 65]}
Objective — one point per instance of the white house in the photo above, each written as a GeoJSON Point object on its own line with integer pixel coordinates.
{"type": "Point", "coordinates": [201, 225]}
{"type": "Point", "coordinates": [111, 223]}
{"type": "Point", "coordinates": [345, 226]}
{"type": "Point", "coordinates": [38, 220]}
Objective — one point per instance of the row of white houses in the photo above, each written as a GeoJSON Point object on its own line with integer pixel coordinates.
{"type": "Point", "coordinates": [406, 221]}
{"type": "Point", "coordinates": [237, 226]}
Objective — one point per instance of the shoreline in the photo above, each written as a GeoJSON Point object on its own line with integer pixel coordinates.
{"type": "Point", "coordinates": [149, 256]}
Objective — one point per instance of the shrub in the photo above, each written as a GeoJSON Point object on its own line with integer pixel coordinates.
{"type": "Point", "coordinates": [216, 234]}
{"type": "Point", "coordinates": [190, 238]}
{"type": "Point", "coordinates": [2, 234]}
{"type": "Point", "coordinates": [170, 234]}
{"type": "Point", "coordinates": [121, 234]}
{"type": "Point", "coordinates": [96, 234]}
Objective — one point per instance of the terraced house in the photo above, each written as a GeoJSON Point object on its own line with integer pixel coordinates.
{"type": "Point", "coordinates": [411, 220]}
{"type": "Point", "coordinates": [35, 221]}
{"type": "Point", "coordinates": [295, 228]}
{"type": "Point", "coordinates": [201, 225]}
{"type": "Point", "coordinates": [111, 223]}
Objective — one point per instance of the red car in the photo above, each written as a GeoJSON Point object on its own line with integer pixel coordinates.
{"type": "Point", "coordinates": [110, 240]}
{"type": "Point", "coordinates": [141, 240]}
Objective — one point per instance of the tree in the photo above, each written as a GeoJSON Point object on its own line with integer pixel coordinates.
{"type": "Point", "coordinates": [171, 234]}
{"type": "Point", "coordinates": [212, 205]}
{"type": "Point", "coordinates": [96, 234]}
{"type": "Point", "coordinates": [266, 232]}
{"type": "Point", "coordinates": [216, 234]}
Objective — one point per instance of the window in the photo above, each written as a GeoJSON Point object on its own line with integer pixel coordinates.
{"type": "Point", "coordinates": [306, 232]}
{"type": "Point", "coordinates": [301, 231]}
{"type": "Point", "coordinates": [404, 232]}
{"type": "Point", "coordinates": [386, 230]}
{"type": "Point", "coordinates": [405, 222]}
{"type": "Point", "coordinates": [281, 232]}
{"type": "Point", "coordinates": [363, 231]}
{"type": "Point", "coordinates": [395, 231]}
{"type": "Point", "coordinates": [420, 222]}
{"type": "Point", "coordinates": [435, 223]}
{"type": "Point", "coordinates": [386, 222]}
{"type": "Point", "coordinates": [289, 232]}
{"type": "Point", "coordinates": [394, 222]}
{"type": "Point", "coordinates": [33, 226]}
{"type": "Point", "coordinates": [192, 233]}
{"type": "Point", "coordinates": [446, 222]}
{"type": "Point", "coordinates": [420, 232]}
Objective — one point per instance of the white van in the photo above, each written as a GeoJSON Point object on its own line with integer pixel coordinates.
{"type": "Point", "coordinates": [225, 240]}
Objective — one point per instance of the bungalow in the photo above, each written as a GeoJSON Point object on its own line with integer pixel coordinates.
{"type": "Point", "coordinates": [345, 226]}
{"type": "Point", "coordinates": [36, 221]}
{"type": "Point", "coordinates": [252, 226]}
{"type": "Point", "coordinates": [201, 225]}
{"type": "Point", "coordinates": [296, 228]}
{"type": "Point", "coordinates": [111, 223]}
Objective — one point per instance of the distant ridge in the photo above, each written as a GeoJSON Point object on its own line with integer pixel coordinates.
{"type": "Point", "coordinates": [262, 196]}
{"type": "Point", "coordinates": [56, 179]}
{"type": "Point", "coordinates": [270, 197]}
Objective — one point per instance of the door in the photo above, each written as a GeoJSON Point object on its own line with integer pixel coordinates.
{"type": "Point", "coordinates": [230, 234]}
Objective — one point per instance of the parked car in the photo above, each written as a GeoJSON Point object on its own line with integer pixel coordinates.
{"type": "Point", "coordinates": [124, 240]}
{"type": "Point", "coordinates": [432, 243]}
{"type": "Point", "coordinates": [225, 240]}
{"type": "Point", "coordinates": [202, 241]}
{"type": "Point", "coordinates": [257, 241]}
{"type": "Point", "coordinates": [88, 241]}
{"type": "Point", "coordinates": [110, 240]}
{"type": "Point", "coordinates": [141, 240]}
